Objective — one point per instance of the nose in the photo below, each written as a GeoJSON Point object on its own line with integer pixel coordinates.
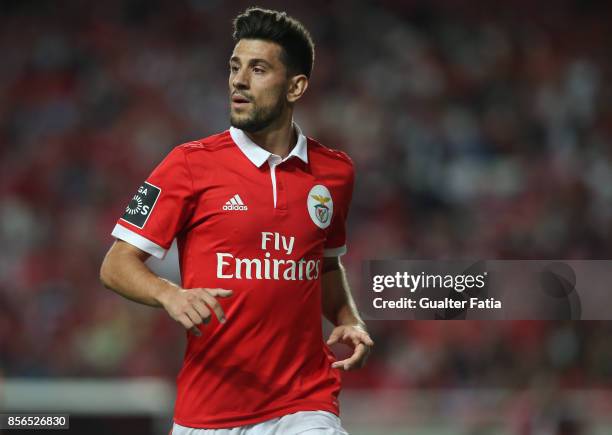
{"type": "Point", "coordinates": [240, 79]}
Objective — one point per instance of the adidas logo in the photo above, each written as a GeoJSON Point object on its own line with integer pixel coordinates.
{"type": "Point", "coordinates": [235, 203]}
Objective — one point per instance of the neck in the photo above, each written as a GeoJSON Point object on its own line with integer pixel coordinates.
{"type": "Point", "coordinates": [278, 138]}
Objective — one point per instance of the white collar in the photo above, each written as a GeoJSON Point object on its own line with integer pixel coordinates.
{"type": "Point", "coordinates": [259, 156]}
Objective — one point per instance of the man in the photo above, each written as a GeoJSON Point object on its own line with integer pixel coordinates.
{"type": "Point", "coordinates": [259, 215]}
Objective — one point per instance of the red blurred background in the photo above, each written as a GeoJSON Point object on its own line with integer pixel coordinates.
{"type": "Point", "coordinates": [478, 130]}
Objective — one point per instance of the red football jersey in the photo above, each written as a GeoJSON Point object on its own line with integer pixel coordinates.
{"type": "Point", "coordinates": [249, 221]}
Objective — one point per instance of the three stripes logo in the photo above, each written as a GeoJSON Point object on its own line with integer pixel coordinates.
{"type": "Point", "coordinates": [235, 203]}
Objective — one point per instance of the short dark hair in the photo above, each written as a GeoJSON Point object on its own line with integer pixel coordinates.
{"type": "Point", "coordinates": [298, 48]}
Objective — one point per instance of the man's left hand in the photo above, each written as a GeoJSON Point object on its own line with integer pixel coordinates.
{"type": "Point", "coordinates": [356, 337]}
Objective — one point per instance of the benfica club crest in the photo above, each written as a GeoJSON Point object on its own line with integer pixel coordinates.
{"type": "Point", "coordinates": [320, 206]}
{"type": "Point", "coordinates": [321, 210]}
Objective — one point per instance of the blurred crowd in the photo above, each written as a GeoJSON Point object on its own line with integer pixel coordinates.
{"type": "Point", "coordinates": [478, 129]}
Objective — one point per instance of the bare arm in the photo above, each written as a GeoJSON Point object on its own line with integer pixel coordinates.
{"type": "Point", "coordinates": [339, 308]}
{"type": "Point", "coordinates": [338, 303]}
{"type": "Point", "coordinates": [125, 272]}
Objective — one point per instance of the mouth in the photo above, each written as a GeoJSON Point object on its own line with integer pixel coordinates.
{"type": "Point", "coordinates": [240, 100]}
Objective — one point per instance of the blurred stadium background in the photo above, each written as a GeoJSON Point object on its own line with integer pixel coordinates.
{"type": "Point", "coordinates": [479, 130]}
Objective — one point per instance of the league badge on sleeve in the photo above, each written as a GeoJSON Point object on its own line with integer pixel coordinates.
{"type": "Point", "coordinates": [140, 207]}
{"type": "Point", "coordinates": [320, 206]}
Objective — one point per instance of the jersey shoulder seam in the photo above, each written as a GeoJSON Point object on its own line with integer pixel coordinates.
{"type": "Point", "coordinates": [210, 143]}
{"type": "Point", "coordinates": [330, 152]}
{"type": "Point", "coordinates": [188, 166]}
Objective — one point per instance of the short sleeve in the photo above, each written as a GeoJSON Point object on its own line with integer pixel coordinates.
{"type": "Point", "coordinates": [335, 244]}
{"type": "Point", "coordinates": [160, 208]}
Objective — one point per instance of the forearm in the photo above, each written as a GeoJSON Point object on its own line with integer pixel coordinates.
{"type": "Point", "coordinates": [125, 272]}
{"type": "Point", "coordinates": [347, 314]}
{"type": "Point", "coordinates": [338, 304]}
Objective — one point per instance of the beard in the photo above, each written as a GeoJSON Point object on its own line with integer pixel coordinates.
{"type": "Point", "coordinates": [258, 118]}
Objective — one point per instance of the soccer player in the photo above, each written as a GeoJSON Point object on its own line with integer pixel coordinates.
{"type": "Point", "coordinates": [259, 215]}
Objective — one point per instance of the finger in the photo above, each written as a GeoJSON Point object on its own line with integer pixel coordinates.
{"type": "Point", "coordinates": [334, 336]}
{"type": "Point", "coordinates": [366, 338]}
{"type": "Point", "coordinates": [338, 364]}
{"type": "Point", "coordinates": [352, 339]}
{"type": "Point", "coordinates": [355, 361]}
{"type": "Point", "coordinates": [346, 364]}
{"type": "Point", "coordinates": [202, 310]}
{"type": "Point", "coordinates": [355, 339]}
{"type": "Point", "coordinates": [185, 321]}
{"type": "Point", "coordinates": [356, 336]}
{"type": "Point", "coordinates": [219, 292]}
{"type": "Point", "coordinates": [195, 331]}
{"type": "Point", "coordinates": [193, 315]}
{"type": "Point", "coordinates": [359, 357]}
{"type": "Point", "coordinates": [360, 338]}
{"type": "Point", "coordinates": [213, 304]}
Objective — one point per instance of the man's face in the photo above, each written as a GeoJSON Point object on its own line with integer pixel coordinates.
{"type": "Point", "coordinates": [257, 83]}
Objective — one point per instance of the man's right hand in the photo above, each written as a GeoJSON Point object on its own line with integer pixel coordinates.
{"type": "Point", "coordinates": [194, 307]}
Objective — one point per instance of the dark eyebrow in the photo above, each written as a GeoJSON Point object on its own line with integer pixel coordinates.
{"type": "Point", "coordinates": [252, 61]}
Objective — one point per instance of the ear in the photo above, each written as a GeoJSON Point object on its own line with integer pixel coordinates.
{"type": "Point", "coordinates": [297, 87]}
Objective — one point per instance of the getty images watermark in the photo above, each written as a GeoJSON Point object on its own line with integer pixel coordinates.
{"type": "Point", "coordinates": [493, 289]}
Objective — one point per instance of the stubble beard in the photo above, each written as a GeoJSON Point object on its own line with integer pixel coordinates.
{"type": "Point", "coordinates": [258, 118]}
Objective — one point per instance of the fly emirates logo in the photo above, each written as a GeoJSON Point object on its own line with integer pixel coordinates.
{"type": "Point", "coordinates": [230, 267]}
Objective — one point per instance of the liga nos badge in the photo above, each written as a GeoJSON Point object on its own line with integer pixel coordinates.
{"type": "Point", "coordinates": [139, 209]}
{"type": "Point", "coordinates": [320, 206]}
